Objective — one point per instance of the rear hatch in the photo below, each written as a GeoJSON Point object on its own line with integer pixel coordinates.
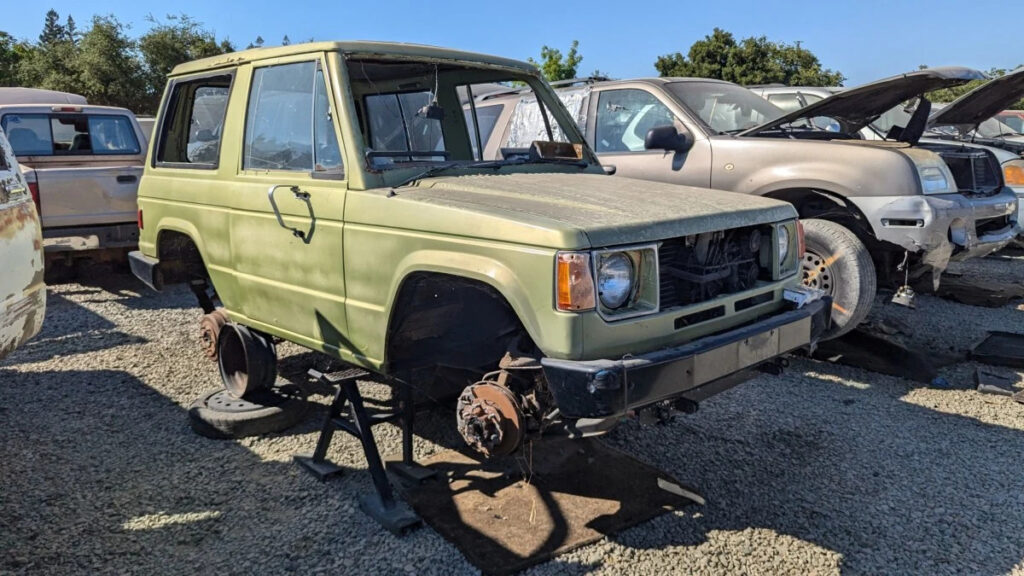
{"type": "Point", "coordinates": [87, 195]}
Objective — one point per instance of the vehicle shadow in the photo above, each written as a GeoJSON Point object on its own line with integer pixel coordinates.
{"type": "Point", "coordinates": [893, 487]}
{"type": "Point", "coordinates": [72, 329]}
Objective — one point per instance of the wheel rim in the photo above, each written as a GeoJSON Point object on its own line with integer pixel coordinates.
{"type": "Point", "coordinates": [818, 272]}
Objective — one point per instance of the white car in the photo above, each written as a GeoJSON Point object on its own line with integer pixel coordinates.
{"type": "Point", "coordinates": [22, 291]}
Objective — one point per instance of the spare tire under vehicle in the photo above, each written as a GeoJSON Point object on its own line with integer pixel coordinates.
{"type": "Point", "coordinates": [836, 261]}
{"type": "Point", "coordinates": [218, 414]}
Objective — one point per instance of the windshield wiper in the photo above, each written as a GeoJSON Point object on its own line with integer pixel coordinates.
{"type": "Point", "coordinates": [426, 173]}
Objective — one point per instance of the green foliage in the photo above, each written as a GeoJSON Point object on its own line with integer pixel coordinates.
{"type": "Point", "coordinates": [554, 67]}
{"type": "Point", "coordinates": [754, 60]}
{"type": "Point", "coordinates": [104, 63]}
{"type": "Point", "coordinates": [108, 67]}
{"type": "Point", "coordinates": [167, 44]}
{"type": "Point", "coordinates": [947, 95]}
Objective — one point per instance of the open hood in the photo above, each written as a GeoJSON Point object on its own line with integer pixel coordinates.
{"type": "Point", "coordinates": [982, 103]}
{"type": "Point", "coordinates": [859, 106]}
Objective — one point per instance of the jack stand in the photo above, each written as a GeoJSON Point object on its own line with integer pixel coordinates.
{"type": "Point", "coordinates": [905, 296]}
{"type": "Point", "coordinates": [199, 287]}
{"type": "Point", "coordinates": [382, 506]}
{"type": "Point", "coordinates": [407, 469]}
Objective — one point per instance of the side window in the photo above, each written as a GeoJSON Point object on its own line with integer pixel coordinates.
{"type": "Point", "coordinates": [326, 152]}
{"type": "Point", "coordinates": [488, 117]}
{"type": "Point", "coordinates": [787, 102]}
{"type": "Point", "coordinates": [29, 134]}
{"type": "Point", "coordinates": [193, 122]}
{"type": "Point", "coordinates": [625, 116]}
{"type": "Point", "coordinates": [279, 122]}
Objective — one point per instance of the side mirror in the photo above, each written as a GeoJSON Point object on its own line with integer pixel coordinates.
{"type": "Point", "coordinates": [668, 138]}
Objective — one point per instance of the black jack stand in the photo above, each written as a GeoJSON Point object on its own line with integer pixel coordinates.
{"type": "Point", "coordinates": [382, 506]}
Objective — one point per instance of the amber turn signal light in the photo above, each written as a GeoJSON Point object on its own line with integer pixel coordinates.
{"type": "Point", "coordinates": [574, 283]}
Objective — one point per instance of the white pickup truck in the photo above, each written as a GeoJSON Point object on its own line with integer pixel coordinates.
{"type": "Point", "coordinates": [82, 164]}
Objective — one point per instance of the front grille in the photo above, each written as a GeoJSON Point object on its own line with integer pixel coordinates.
{"type": "Point", "coordinates": [987, 225]}
{"type": "Point", "coordinates": [698, 268]}
{"type": "Point", "coordinates": [975, 171]}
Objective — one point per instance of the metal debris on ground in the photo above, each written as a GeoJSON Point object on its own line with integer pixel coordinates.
{"type": "Point", "coordinates": [1000, 349]}
{"type": "Point", "coordinates": [974, 291]}
{"type": "Point", "coordinates": [879, 347]}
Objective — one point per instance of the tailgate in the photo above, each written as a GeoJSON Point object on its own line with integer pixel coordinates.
{"type": "Point", "coordinates": [86, 196]}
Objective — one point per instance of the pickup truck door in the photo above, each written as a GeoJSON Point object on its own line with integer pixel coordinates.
{"type": "Point", "coordinates": [286, 222]}
{"type": "Point", "coordinates": [618, 122]}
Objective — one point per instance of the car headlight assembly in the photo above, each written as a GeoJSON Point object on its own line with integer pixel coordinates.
{"type": "Point", "coordinates": [936, 179]}
{"type": "Point", "coordinates": [615, 279]}
{"type": "Point", "coordinates": [783, 244]}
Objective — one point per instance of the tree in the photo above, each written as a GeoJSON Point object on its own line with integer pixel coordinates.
{"type": "Point", "coordinates": [70, 30]}
{"type": "Point", "coordinates": [285, 41]}
{"type": "Point", "coordinates": [258, 43]}
{"type": "Point", "coordinates": [167, 44]}
{"type": "Point", "coordinates": [554, 67]}
{"type": "Point", "coordinates": [947, 95]}
{"type": "Point", "coordinates": [52, 30]}
{"type": "Point", "coordinates": [109, 71]}
{"type": "Point", "coordinates": [11, 53]}
{"type": "Point", "coordinates": [52, 62]}
{"type": "Point", "coordinates": [754, 60]}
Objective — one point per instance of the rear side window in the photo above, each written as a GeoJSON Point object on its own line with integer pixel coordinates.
{"type": "Point", "coordinates": [193, 122]}
{"type": "Point", "coordinates": [70, 134]}
{"type": "Point", "coordinates": [396, 124]}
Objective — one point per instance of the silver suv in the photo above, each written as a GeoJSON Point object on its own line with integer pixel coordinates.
{"type": "Point", "coordinates": [864, 204]}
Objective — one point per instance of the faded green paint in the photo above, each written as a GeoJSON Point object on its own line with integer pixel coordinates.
{"type": "Point", "coordinates": [334, 290]}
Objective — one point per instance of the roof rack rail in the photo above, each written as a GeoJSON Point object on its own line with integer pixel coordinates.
{"type": "Point", "coordinates": [769, 85]}
{"type": "Point", "coordinates": [586, 80]}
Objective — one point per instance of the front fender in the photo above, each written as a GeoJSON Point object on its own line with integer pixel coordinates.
{"type": "Point", "coordinates": [531, 296]}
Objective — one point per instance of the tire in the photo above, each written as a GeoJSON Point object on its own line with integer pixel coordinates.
{"type": "Point", "coordinates": [838, 262]}
{"type": "Point", "coordinates": [220, 415]}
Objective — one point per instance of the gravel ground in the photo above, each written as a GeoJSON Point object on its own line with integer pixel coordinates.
{"type": "Point", "coordinates": [826, 469]}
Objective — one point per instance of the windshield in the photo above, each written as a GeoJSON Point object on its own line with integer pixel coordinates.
{"type": "Point", "coordinates": [724, 108]}
{"type": "Point", "coordinates": [432, 115]}
{"type": "Point", "coordinates": [993, 128]}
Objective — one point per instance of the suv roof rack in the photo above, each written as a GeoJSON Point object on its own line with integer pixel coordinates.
{"type": "Point", "coordinates": [769, 85]}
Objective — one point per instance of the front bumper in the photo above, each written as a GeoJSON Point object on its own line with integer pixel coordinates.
{"type": "Point", "coordinates": [146, 269]}
{"type": "Point", "coordinates": [607, 388]}
{"type": "Point", "coordinates": [944, 226]}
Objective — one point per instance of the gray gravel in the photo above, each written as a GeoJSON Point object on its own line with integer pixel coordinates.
{"type": "Point", "coordinates": [822, 470]}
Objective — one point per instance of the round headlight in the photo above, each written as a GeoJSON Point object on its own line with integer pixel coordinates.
{"type": "Point", "coordinates": [783, 243]}
{"type": "Point", "coordinates": [615, 280]}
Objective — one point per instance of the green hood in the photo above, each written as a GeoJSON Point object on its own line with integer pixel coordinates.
{"type": "Point", "coordinates": [560, 210]}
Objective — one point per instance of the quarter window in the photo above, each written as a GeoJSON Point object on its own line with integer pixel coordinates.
{"type": "Point", "coordinates": [193, 122]}
{"type": "Point", "coordinates": [625, 116]}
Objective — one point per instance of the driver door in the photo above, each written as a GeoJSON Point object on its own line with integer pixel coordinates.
{"type": "Point", "coordinates": [620, 120]}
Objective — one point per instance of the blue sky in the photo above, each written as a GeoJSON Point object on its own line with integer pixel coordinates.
{"type": "Point", "coordinates": [865, 40]}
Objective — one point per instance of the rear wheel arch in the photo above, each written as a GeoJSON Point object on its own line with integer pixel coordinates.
{"type": "Point", "coordinates": [181, 258]}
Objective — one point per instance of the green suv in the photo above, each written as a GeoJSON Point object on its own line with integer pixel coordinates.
{"type": "Point", "coordinates": [335, 195]}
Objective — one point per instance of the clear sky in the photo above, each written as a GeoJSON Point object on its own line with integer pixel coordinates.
{"type": "Point", "coordinates": [865, 39]}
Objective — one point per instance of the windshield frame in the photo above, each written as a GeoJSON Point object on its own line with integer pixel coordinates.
{"type": "Point", "coordinates": [399, 172]}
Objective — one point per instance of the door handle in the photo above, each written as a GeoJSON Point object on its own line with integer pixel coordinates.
{"type": "Point", "coordinates": [299, 195]}
{"type": "Point", "coordinates": [126, 179]}
{"type": "Point", "coordinates": [609, 169]}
